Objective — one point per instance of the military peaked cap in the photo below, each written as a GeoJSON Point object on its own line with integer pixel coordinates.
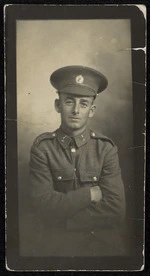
{"type": "Point", "coordinates": [78, 80]}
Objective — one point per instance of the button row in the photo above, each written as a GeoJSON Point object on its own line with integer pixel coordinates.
{"type": "Point", "coordinates": [60, 177]}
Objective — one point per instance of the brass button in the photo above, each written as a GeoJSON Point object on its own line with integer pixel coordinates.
{"type": "Point", "coordinates": [73, 150]}
{"type": "Point", "coordinates": [59, 177]}
{"type": "Point", "coordinates": [93, 134]}
{"type": "Point", "coordinates": [94, 178]}
{"type": "Point", "coordinates": [54, 134]}
{"type": "Point", "coordinates": [75, 169]}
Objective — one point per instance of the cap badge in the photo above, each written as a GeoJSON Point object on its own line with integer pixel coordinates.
{"type": "Point", "coordinates": [79, 79]}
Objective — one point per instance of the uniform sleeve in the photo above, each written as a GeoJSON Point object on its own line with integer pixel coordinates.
{"type": "Point", "coordinates": [48, 202]}
{"type": "Point", "coordinates": [111, 208]}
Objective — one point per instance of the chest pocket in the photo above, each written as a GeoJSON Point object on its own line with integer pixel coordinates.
{"type": "Point", "coordinates": [63, 180]}
{"type": "Point", "coordinates": [89, 178]}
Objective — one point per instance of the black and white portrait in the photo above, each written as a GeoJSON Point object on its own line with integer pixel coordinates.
{"type": "Point", "coordinates": [76, 152]}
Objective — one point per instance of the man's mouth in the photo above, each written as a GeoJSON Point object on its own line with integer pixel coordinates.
{"type": "Point", "coordinates": [74, 118]}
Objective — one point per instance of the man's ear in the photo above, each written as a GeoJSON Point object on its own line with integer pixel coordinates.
{"type": "Point", "coordinates": [57, 105]}
{"type": "Point", "coordinates": [92, 111]}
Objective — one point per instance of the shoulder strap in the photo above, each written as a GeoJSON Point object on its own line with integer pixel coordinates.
{"type": "Point", "coordinates": [44, 136]}
{"type": "Point", "coordinates": [101, 137]}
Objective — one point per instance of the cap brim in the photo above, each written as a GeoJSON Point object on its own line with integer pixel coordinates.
{"type": "Point", "coordinates": [78, 90]}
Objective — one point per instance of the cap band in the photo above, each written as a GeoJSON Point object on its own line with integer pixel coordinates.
{"type": "Point", "coordinates": [78, 89]}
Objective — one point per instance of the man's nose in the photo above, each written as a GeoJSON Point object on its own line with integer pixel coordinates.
{"type": "Point", "coordinates": [76, 109]}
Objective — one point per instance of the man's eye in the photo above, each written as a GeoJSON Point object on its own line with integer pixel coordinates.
{"type": "Point", "coordinates": [69, 102]}
{"type": "Point", "coordinates": [83, 104]}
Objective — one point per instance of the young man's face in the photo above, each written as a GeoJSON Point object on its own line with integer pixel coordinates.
{"type": "Point", "coordinates": [75, 111]}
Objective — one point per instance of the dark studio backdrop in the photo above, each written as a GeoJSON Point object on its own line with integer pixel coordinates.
{"type": "Point", "coordinates": [35, 49]}
{"type": "Point", "coordinates": [42, 47]}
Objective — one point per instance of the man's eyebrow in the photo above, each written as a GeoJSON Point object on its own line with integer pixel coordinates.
{"type": "Point", "coordinates": [85, 100]}
{"type": "Point", "coordinates": [81, 99]}
{"type": "Point", "coordinates": [69, 97]}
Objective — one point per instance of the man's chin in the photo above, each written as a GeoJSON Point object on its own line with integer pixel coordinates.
{"type": "Point", "coordinates": [73, 129]}
{"type": "Point", "coordinates": [75, 126]}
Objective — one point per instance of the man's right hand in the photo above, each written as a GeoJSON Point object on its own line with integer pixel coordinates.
{"type": "Point", "coordinates": [96, 194]}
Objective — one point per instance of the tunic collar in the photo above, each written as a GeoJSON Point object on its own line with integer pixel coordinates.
{"type": "Point", "coordinates": [79, 139]}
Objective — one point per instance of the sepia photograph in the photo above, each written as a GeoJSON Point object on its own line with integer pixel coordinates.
{"type": "Point", "coordinates": [75, 98]}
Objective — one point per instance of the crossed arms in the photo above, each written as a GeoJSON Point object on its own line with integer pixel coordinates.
{"type": "Point", "coordinates": [84, 207]}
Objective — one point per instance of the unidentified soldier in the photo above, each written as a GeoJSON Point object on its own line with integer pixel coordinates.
{"type": "Point", "coordinates": [76, 183]}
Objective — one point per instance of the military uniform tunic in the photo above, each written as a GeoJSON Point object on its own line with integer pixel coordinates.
{"type": "Point", "coordinates": [62, 171]}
